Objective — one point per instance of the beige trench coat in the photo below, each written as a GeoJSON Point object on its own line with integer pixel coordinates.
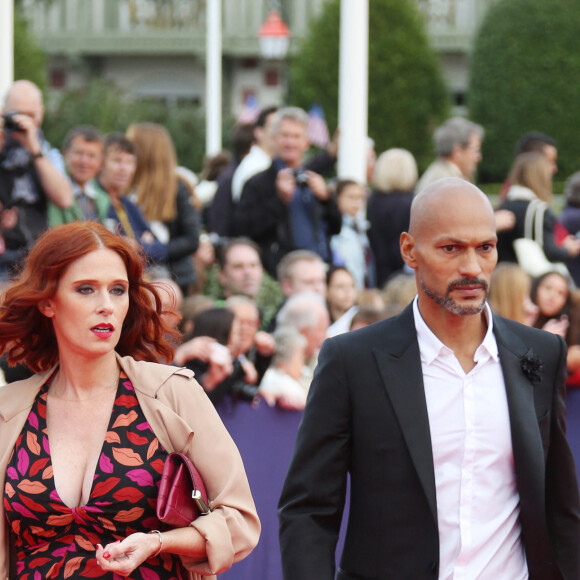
{"type": "Point", "coordinates": [183, 419]}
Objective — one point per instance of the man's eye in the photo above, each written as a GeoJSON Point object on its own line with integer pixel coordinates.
{"type": "Point", "coordinates": [449, 248]}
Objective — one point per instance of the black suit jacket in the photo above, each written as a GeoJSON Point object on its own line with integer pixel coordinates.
{"type": "Point", "coordinates": [367, 415]}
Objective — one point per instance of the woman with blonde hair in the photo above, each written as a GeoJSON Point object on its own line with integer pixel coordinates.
{"type": "Point", "coordinates": [389, 207]}
{"type": "Point", "coordinates": [531, 189]}
{"type": "Point", "coordinates": [165, 199]}
{"type": "Point", "coordinates": [509, 294]}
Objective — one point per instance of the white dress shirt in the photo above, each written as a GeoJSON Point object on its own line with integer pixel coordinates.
{"type": "Point", "coordinates": [477, 496]}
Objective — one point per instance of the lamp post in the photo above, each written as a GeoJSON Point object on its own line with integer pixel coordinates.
{"type": "Point", "coordinates": [213, 78]}
{"type": "Point", "coordinates": [353, 89]}
{"type": "Point", "coordinates": [274, 37]}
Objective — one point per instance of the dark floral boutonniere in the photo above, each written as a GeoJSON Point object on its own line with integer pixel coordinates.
{"type": "Point", "coordinates": [532, 366]}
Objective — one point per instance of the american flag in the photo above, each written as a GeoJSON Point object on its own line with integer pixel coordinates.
{"type": "Point", "coordinates": [250, 110]}
{"type": "Point", "coordinates": [317, 128]}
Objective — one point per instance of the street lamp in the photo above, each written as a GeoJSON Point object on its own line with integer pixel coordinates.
{"type": "Point", "coordinates": [274, 37]}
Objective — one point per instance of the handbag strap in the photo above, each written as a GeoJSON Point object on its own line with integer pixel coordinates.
{"type": "Point", "coordinates": [534, 221]}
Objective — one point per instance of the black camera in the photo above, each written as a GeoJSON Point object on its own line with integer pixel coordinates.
{"type": "Point", "coordinates": [301, 177]}
{"type": "Point", "coordinates": [10, 125]}
{"type": "Point", "coordinates": [243, 391]}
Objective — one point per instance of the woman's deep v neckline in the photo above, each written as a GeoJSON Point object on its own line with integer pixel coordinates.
{"type": "Point", "coordinates": [97, 463]}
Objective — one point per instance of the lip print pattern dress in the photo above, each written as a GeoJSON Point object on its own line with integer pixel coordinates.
{"type": "Point", "coordinates": [53, 540]}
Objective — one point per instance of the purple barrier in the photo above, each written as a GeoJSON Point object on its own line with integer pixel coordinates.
{"type": "Point", "coordinates": [265, 437]}
{"type": "Point", "coordinates": [573, 424]}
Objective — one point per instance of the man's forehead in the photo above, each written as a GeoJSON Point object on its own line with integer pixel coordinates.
{"type": "Point", "coordinates": [465, 235]}
{"type": "Point", "coordinates": [307, 269]}
{"type": "Point", "coordinates": [288, 125]}
{"type": "Point", "coordinates": [24, 103]}
{"type": "Point", "coordinates": [242, 254]}
{"type": "Point", "coordinates": [79, 141]}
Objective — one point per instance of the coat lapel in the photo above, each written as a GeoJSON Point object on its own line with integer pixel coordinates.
{"type": "Point", "coordinates": [526, 440]}
{"type": "Point", "coordinates": [399, 364]}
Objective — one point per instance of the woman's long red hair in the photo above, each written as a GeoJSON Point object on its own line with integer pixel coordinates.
{"type": "Point", "coordinates": [28, 336]}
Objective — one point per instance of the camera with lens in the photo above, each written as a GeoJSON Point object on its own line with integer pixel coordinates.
{"type": "Point", "coordinates": [10, 125]}
{"type": "Point", "coordinates": [301, 177]}
{"type": "Point", "coordinates": [242, 391]}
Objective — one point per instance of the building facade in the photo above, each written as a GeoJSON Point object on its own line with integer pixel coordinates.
{"type": "Point", "coordinates": [156, 48]}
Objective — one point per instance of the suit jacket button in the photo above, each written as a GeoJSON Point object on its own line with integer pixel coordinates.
{"type": "Point", "coordinates": [434, 567]}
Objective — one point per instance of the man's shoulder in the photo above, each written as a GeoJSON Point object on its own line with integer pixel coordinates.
{"type": "Point", "coordinates": [437, 170]}
{"type": "Point", "coordinates": [389, 334]}
{"type": "Point", "coordinates": [263, 177]}
{"type": "Point", "coordinates": [519, 337]}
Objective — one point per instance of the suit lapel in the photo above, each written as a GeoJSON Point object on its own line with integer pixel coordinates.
{"type": "Point", "coordinates": [399, 365]}
{"type": "Point", "coordinates": [526, 440]}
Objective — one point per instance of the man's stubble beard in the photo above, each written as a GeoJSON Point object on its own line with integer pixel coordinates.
{"type": "Point", "coordinates": [449, 304]}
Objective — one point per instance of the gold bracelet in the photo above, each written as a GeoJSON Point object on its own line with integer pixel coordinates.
{"type": "Point", "coordinates": [160, 541]}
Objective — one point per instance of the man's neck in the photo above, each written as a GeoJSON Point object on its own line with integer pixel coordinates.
{"type": "Point", "coordinates": [113, 192]}
{"type": "Point", "coordinates": [462, 334]}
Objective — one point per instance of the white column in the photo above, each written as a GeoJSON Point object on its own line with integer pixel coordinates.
{"type": "Point", "coordinates": [353, 89]}
{"type": "Point", "coordinates": [6, 46]}
{"type": "Point", "coordinates": [213, 79]}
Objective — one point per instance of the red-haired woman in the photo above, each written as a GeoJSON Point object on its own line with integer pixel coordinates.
{"type": "Point", "coordinates": [83, 442]}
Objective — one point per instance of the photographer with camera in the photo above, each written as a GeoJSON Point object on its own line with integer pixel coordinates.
{"type": "Point", "coordinates": [31, 172]}
{"type": "Point", "coordinates": [288, 206]}
{"type": "Point", "coordinates": [211, 352]}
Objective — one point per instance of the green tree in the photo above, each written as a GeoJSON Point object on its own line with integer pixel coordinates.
{"type": "Point", "coordinates": [107, 107]}
{"type": "Point", "coordinates": [29, 60]}
{"type": "Point", "coordinates": [407, 94]}
{"type": "Point", "coordinates": [524, 71]}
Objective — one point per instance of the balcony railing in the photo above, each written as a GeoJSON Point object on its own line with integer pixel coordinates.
{"type": "Point", "coordinates": [178, 26]}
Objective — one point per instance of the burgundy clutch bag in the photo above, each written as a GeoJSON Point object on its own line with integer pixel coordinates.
{"type": "Point", "coordinates": [182, 496]}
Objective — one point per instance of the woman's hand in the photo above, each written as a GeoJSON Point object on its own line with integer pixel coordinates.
{"type": "Point", "coordinates": [265, 343]}
{"type": "Point", "coordinates": [123, 557]}
{"type": "Point", "coordinates": [250, 372]}
{"type": "Point", "coordinates": [557, 326]}
{"type": "Point", "coordinates": [199, 347]}
{"type": "Point", "coordinates": [572, 245]}
{"type": "Point", "coordinates": [287, 401]}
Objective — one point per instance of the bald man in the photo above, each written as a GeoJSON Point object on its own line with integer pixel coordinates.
{"type": "Point", "coordinates": [31, 172]}
{"type": "Point", "coordinates": [450, 422]}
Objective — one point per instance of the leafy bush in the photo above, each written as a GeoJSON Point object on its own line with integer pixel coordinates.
{"type": "Point", "coordinates": [29, 60]}
{"type": "Point", "coordinates": [407, 95]}
{"type": "Point", "coordinates": [105, 106]}
{"type": "Point", "coordinates": [524, 71]}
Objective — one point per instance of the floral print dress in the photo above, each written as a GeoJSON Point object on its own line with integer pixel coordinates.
{"type": "Point", "coordinates": [55, 541]}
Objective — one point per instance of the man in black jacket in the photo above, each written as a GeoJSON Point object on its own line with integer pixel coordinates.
{"type": "Point", "coordinates": [288, 206]}
{"type": "Point", "coordinates": [450, 421]}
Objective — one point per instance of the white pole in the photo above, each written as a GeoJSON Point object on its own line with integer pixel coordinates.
{"type": "Point", "coordinates": [353, 89]}
{"type": "Point", "coordinates": [213, 79]}
{"type": "Point", "coordinates": [6, 46]}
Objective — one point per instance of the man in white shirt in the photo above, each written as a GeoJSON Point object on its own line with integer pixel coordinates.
{"type": "Point", "coordinates": [260, 156]}
{"type": "Point", "coordinates": [450, 422]}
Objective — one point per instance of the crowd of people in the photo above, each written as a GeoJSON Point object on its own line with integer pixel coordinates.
{"type": "Point", "coordinates": [249, 269]}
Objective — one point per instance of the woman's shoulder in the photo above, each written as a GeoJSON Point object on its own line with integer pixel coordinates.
{"type": "Point", "coordinates": [19, 395]}
{"type": "Point", "coordinates": [149, 377]}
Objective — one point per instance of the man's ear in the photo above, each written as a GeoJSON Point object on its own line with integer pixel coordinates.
{"type": "Point", "coordinates": [407, 245]}
{"type": "Point", "coordinates": [286, 286]}
{"type": "Point", "coordinates": [46, 308]}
